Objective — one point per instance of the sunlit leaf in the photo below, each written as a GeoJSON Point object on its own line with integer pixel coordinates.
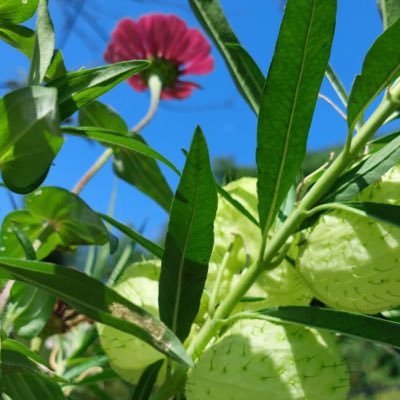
{"type": "Point", "coordinates": [28, 310]}
{"type": "Point", "coordinates": [212, 17]}
{"type": "Point", "coordinates": [137, 169]}
{"type": "Point", "coordinates": [390, 11]}
{"type": "Point", "coordinates": [78, 89]}
{"type": "Point", "coordinates": [94, 299]}
{"type": "Point", "coordinates": [289, 99]}
{"type": "Point", "coordinates": [29, 136]}
{"type": "Point", "coordinates": [115, 139]}
{"type": "Point", "coordinates": [189, 241]}
{"type": "Point", "coordinates": [16, 11]}
{"type": "Point", "coordinates": [102, 116]}
{"type": "Point", "coordinates": [381, 66]}
{"type": "Point", "coordinates": [54, 217]}
{"type": "Point", "coordinates": [44, 45]}
{"type": "Point", "coordinates": [19, 37]}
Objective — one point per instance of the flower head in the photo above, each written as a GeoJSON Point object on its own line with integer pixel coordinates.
{"type": "Point", "coordinates": [173, 48]}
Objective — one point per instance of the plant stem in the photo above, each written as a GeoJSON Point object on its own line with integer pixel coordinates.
{"type": "Point", "coordinates": [321, 187]}
{"type": "Point", "coordinates": [155, 86]}
{"type": "Point", "coordinates": [337, 85]}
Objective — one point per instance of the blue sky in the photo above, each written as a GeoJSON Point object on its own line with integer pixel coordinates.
{"type": "Point", "coordinates": [228, 123]}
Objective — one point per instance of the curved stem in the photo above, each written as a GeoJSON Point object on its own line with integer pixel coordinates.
{"type": "Point", "coordinates": [155, 86]}
{"type": "Point", "coordinates": [321, 187]}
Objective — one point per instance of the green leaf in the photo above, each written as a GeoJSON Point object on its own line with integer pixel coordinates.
{"type": "Point", "coordinates": [18, 36]}
{"type": "Point", "coordinates": [189, 241]}
{"type": "Point", "coordinates": [16, 346]}
{"type": "Point", "coordinates": [381, 66]}
{"type": "Point", "coordinates": [94, 299]}
{"type": "Point", "coordinates": [365, 173]}
{"type": "Point", "coordinates": [78, 89]}
{"type": "Point", "coordinates": [136, 169]}
{"type": "Point", "coordinates": [44, 45]}
{"type": "Point", "coordinates": [115, 139]}
{"type": "Point", "coordinates": [136, 236]}
{"type": "Point", "coordinates": [17, 11]}
{"type": "Point", "coordinates": [57, 67]}
{"type": "Point", "coordinates": [53, 218]}
{"type": "Point", "coordinates": [147, 381]}
{"type": "Point", "coordinates": [23, 380]}
{"type": "Point", "coordinates": [211, 16]}
{"type": "Point", "coordinates": [237, 204]}
{"type": "Point", "coordinates": [390, 11]}
{"type": "Point", "coordinates": [28, 310]}
{"type": "Point", "coordinates": [358, 325]}
{"type": "Point", "coordinates": [143, 173]}
{"type": "Point", "coordinates": [102, 116]}
{"type": "Point", "coordinates": [388, 213]}
{"type": "Point", "coordinates": [29, 136]}
{"type": "Point", "coordinates": [289, 99]}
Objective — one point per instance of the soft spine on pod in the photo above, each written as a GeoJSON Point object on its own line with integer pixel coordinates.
{"type": "Point", "coordinates": [256, 359]}
{"type": "Point", "coordinates": [352, 262]}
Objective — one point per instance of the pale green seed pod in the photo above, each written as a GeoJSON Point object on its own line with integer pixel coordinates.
{"type": "Point", "coordinates": [128, 355]}
{"type": "Point", "coordinates": [237, 244]}
{"type": "Point", "coordinates": [256, 359]}
{"type": "Point", "coordinates": [352, 262]}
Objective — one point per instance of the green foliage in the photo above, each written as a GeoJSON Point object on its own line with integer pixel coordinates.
{"type": "Point", "coordinates": [243, 69]}
{"type": "Point", "coordinates": [289, 98]}
{"type": "Point", "coordinates": [189, 241]}
{"type": "Point", "coordinates": [217, 268]}
{"type": "Point", "coordinates": [16, 11]}
{"type": "Point", "coordinates": [29, 136]}
{"type": "Point", "coordinates": [380, 68]}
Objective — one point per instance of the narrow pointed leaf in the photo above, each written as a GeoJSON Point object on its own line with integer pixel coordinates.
{"type": "Point", "coordinates": [239, 206]}
{"type": "Point", "coordinates": [102, 116]}
{"type": "Point", "coordinates": [143, 173]}
{"type": "Point", "coordinates": [189, 241]}
{"type": "Point", "coordinates": [23, 380]}
{"type": "Point", "coordinates": [147, 244]}
{"type": "Point", "coordinates": [366, 173]}
{"type": "Point", "coordinates": [289, 99]}
{"type": "Point", "coordinates": [78, 89]}
{"type": "Point", "coordinates": [16, 346]}
{"type": "Point", "coordinates": [115, 139]}
{"type": "Point", "coordinates": [147, 381]}
{"type": "Point", "coordinates": [29, 136]}
{"type": "Point", "coordinates": [94, 299]}
{"type": "Point", "coordinates": [19, 37]}
{"type": "Point", "coordinates": [211, 16]}
{"type": "Point", "coordinates": [44, 44]}
{"type": "Point", "coordinates": [17, 11]}
{"type": "Point", "coordinates": [138, 170]}
{"type": "Point", "coordinates": [358, 325]}
{"type": "Point", "coordinates": [388, 213]}
{"type": "Point", "coordinates": [390, 11]}
{"type": "Point", "coordinates": [381, 66]}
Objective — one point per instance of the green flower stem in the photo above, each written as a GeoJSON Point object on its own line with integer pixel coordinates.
{"type": "Point", "coordinates": [155, 86]}
{"type": "Point", "coordinates": [321, 187]}
{"type": "Point", "coordinates": [337, 85]}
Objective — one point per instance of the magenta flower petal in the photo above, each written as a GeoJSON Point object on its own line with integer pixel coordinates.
{"type": "Point", "coordinates": [173, 48]}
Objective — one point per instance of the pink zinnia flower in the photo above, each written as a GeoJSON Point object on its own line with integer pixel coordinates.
{"type": "Point", "coordinates": [173, 48]}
